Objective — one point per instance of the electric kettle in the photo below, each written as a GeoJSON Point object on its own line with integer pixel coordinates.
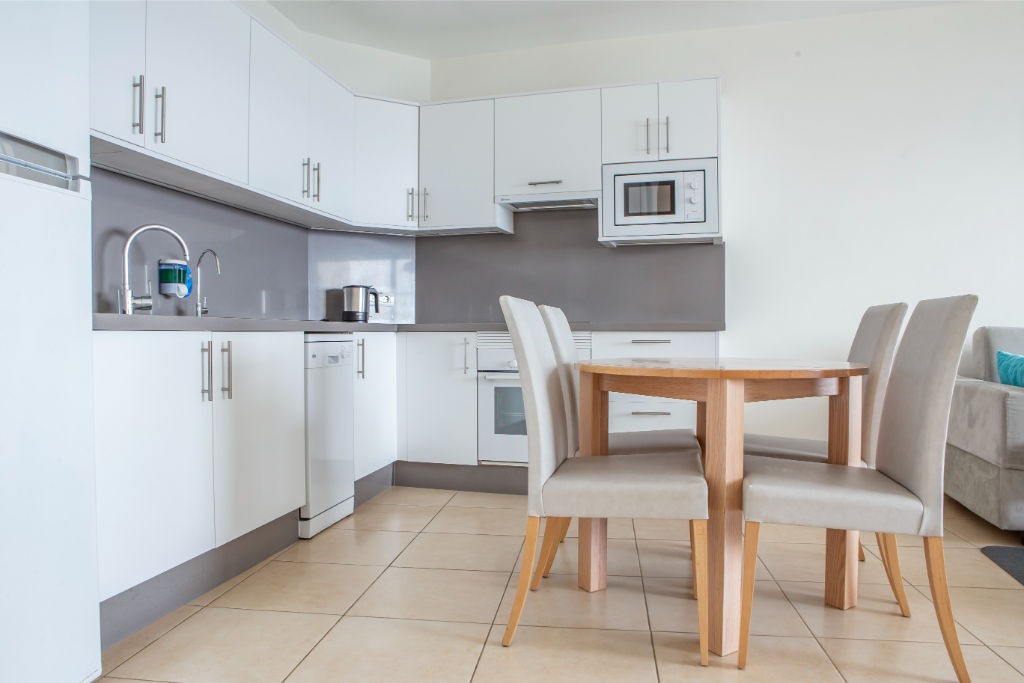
{"type": "Point", "coordinates": [356, 303]}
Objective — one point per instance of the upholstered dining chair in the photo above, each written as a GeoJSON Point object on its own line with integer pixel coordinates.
{"type": "Point", "coordinates": [903, 494]}
{"type": "Point", "coordinates": [660, 485]}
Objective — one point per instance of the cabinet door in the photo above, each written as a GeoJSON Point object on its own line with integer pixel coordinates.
{"type": "Point", "coordinates": [259, 427]}
{"type": "Point", "coordinates": [547, 143]}
{"type": "Point", "coordinates": [457, 165]}
{"type": "Point", "coordinates": [331, 144]}
{"type": "Point", "coordinates": [629, 123]}
{"type": "Point", "coordinates": [154, 458]}
{"type": "Point", "coordinates": [440, 397]}
{"type": "Point", "coordinates": [278, 102]}
{"type": "Point", "coordinates": [376, 408]}
{"type": "Point", "coordinates": [117, 69]}
{"type": "Point", "coordinates": [197, 53]}
{"type": "Point", "coordinates": [689, 119]}
{"type": "Point", "coordinates": [386, 151]}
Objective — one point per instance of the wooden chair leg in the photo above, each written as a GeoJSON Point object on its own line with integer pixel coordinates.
{"type": "Point", "coordinates": [565, 529]}
{"type": "Point", "coordinates": [699, 546]}
{"type": "Point", "coordinates": [693, 559]}
{"type": "Point", "coordinates": [552, 530]}
{"type": "Point", "coordinates": [936, 563]}
{"type": "Point", "coordinates": [860, 551]}
{"type": "Point", "coordinates": [525, 574]}
{"type": "Point", "coordinates": [891, 559]}
{"type": "Point", "coordinates": [560, 534]}
{"type": "Point", "coordinates": [750, 532]}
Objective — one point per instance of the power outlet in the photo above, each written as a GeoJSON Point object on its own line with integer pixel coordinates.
{"type": "Point", "coordinates": [387, 299]}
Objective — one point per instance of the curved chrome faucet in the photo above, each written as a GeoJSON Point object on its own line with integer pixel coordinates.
{"type": "Point", "coordinates": [142, 303]}
{"type": "Point", "coordinates": [201, 308]}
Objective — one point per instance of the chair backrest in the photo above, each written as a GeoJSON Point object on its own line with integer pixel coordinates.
{"type": "Point", "coordinates": [542, 395]}
{"type": "Point", "coordinates": [985, 343]}
{"type": "Point", "coordinates": [875, 344]}
{"type": "Point", "coordinates": [915, 415]}
{"type": "Point", "coordinates": [566, 355]}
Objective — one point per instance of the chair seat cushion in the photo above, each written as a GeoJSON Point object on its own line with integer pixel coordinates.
{"type": "Point", "coordinates": [654, 441]}
{"type": "Point", "coordinates": [657, 485]}
{"type": "Point", "coordinates": [788, 447]}
{"type": "Point", "coordinates": [830, 496]}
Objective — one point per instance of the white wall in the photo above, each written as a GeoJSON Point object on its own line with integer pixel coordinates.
{"type": "Point", "coordinates": [870, 158]}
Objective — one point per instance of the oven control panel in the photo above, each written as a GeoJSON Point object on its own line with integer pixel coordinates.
{"type": "Point", "coordinates": [693, 196]}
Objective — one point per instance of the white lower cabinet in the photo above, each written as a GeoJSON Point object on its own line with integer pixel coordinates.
{"type": "Point", "coordinates": [181, 467]}
{"type": "Point", "coordinates": [376, 401]}
{"type": "Point", "coordinates": [440, 397]}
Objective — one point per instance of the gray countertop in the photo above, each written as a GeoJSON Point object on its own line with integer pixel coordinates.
{"type": "Point", "coordinates": [116, 321]}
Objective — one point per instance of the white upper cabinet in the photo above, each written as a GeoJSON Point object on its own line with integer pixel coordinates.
{"type": "Point", "coordinates": [197, 77]}
{"type": "Point", "coordinates": [457, 167]}
{"type": "Point", "coordinates": [547, 143]}
{"type": "Point", "coordinates": [386, 156]}
{"type": "Point", "coordinates": [278, 102]}
{"type": "Point", "coordinates": [117, 70]}
{"type": "Point", "coordinates": [629, 123]}
{"type": "Point", "coordinates": [688, 124]}
{"type": "Point", "coordinates": [331, 127]}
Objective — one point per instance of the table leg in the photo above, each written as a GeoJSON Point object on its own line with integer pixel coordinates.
{"type": "Point", "coordinates": [723, 438]}
{"type": "Point", "coordinates": [844, 448]}
{"type": "Point", "coordinates": [593, 533]}
{"type": "Point", "coordinates": [701, 430]}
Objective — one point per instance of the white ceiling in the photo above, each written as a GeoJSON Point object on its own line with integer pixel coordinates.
{"type": "Point", "coordinates": [435, 29]}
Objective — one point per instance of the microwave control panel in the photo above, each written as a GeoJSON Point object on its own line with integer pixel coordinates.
{"type": "Point", "coordinates": [693, 196]}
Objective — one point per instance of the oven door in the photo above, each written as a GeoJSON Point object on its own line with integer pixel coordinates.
{"type": "Point", "coordinates": [501, 418]}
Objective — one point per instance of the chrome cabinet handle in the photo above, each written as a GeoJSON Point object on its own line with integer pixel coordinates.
{"type": "Point", "coordinates": [316, 170]}
{"type": "Point", "coordinates": [465, 355]}
{"type": "Point", "coordinates": [426, 216]}
{"type": "Point", "coordinates": [408, 203]}
{"type": "Point", "coordinates": [534, 183]}
{"type": "Point", "coordinates": [162, 133]}
{"type": "Point", "coordinates": [650, 341]}
{"type": "Point", "coordinates": [667, 136]}
{"type": "Point", "coordinates": [657, 413]}
{"type": "Point", "coordinates": [229, 388]}
{"type": "Point", "coordinates": [362, 358]}
{"type": "Point", "coordinates": [305, 177]}
{"type": "Point", "coordinates": [647, 135]}
{"type": "Point", "coordinates": [206, 371]}
{"type": "Point", "coordinates": [141, 86]}
{"type": "Point", "coordinates": [501, 377]}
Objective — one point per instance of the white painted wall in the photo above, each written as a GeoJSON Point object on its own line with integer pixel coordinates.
{"type": "Point", "coordinates": [869, 158]}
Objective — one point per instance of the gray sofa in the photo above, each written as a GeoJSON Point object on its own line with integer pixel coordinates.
{"type": "Point", "coordinates": [985, 442]}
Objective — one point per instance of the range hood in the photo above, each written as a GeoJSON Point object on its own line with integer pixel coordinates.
{"type": "Point", "coordinates": [550, 201]}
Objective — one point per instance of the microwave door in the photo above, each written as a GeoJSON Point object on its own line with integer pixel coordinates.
{"type": "Point", "coordinates": [648, 198]}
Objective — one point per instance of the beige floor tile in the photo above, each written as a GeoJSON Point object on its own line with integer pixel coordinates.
{"type": "Point", "coordinates": [992, 614]}
{"type": "Point", "coordinates": [977, 531]}
{"type": "Point", "coordinates": [673, 608]}
{"type": "Point", "coordinates": [786, 533]}
{"type": "Point", "coordinates": [106, 679]}
{"type": "Point", "coordinates": [116, 654]}
{"type": "Point", "coordinates": [407, 495]}
{"type": "Point", "coordinates": [349, 546]}
{"type": "Point", "coordinates": [672, 558]}
{"type": "Point", "coordinates": [559, 602]}
{"type": "Point", "coordinates": [622, 557]}
{"type": "Point", "coordinates": [368, 650]}
{"type": "Point", "coordinates": [876, 616]}
{"type": "Point", "coordinates": [770, 660]}
{"type": "Point", "coordinates": [806, 562]}
{"type": "Point", "coordinates": [214, 593]}
{"type": "Point", "coordinates": [498, 521]}
{"type": "Point", "coordinates": [953, 509]}
{"type": "Point", "coordinates": [433, 595]}
{"type": "Point", "coordinates": [301, 587]}
{"type": "Point", "coordinates": [617, 528]}
{"type": "Point", "coordinates": [566, 655]}
{"type": "Point", "coordinates": [373, 517]}
{"type": "Point", "coordinates": [1014, 655]}
{"type": "Point", "coordinates": [950, 540]}
{"type": "Point", "coordinates": [230, 646]}
{"type": "Point", "coordinates": [662, 529]}
{"type": "Point", "coordinates": [964, 567]}
{"type": "Point", "coordinates": [473, 499]}
{"type": "Point", "coordinates": [863, 661]}
{"type": "Point", "coordinates": [481, 552]}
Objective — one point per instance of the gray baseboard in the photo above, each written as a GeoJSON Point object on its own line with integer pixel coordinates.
{"type": "Point", "coordinates": [137, 607]}
{"type": "Point", "coordinates": [483, 478]}
{"type": "Point", "coordinates": [373, 483]}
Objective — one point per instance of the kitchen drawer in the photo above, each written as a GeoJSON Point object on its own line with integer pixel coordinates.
{"type": "Point", "coordinates": [655, 345]}
{"type": "Point", "coordinates": [647, 415]}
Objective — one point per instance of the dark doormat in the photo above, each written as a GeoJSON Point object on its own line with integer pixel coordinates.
{"type": "Point", "coordinates": [1011, 560]}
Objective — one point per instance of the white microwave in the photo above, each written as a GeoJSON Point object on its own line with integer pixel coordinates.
{"type": "Point", "coordinates": [661, 200]}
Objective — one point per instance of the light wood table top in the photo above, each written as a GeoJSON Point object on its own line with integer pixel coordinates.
{"type": "Point", "coordinates": [723, 368]}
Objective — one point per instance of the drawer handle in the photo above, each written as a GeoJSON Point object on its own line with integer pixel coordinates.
{"type": "Point", "coordinates": [655, 413]}
{"type": "Point", "coordinates": [544, 182]}
{"type": "Point", "coordinates": [651, 341]}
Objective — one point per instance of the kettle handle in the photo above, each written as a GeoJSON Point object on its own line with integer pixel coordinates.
{"type": "Point", "coordinates": [376, 300]}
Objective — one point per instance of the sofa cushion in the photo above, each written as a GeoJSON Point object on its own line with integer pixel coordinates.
{"type": "Point", "coordinates": [1011, 368]}
{"type": "Point", "coordinates": [987, 419]}
{"type": "Point", "coordinates": [987, 341]}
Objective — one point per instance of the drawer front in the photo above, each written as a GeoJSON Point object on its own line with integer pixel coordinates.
{"type": "Point", "coordinates": [655, 345]}
{"type": "Point", "coordinates": [647, 415]}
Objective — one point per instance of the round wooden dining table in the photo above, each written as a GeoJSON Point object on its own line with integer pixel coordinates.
{"type": "Point", "coordinates": [721, 387]}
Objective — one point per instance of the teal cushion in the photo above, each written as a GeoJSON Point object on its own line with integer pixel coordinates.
{"type": "Point", "coordinates": [1011, 368]}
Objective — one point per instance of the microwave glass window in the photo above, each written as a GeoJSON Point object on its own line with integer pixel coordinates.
{"type": "Point", "coordinates": [649, 199]}
{"type": "Point", "coordinates": [509, 411]}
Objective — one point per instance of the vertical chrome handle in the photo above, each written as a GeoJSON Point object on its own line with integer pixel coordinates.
{"type": "Point", "coordinates": [316, 169]}
{"type": "Point", "coordinates": [162, 133]}
{"type": "Point", "coordinates": [305, 177]}
{"type": "Point", "coordinates": [667, 137]}
{"type": "Point", "coordinates": [465, 355]}
{"type": "Point", "coordinates": [206, 371]}
{"type": "Point", "coordinates": [426, 215]}
{"type": "Point", "coordinates": [408, 203]}
{"type": "Point", "coordinates": [141, 86]}
{"type": "Point", "coordinates": [361, 344]}
{"type": "Point", "coordinates": [229, 387]}
{"type": "Point", "coordinates": [647, 135]}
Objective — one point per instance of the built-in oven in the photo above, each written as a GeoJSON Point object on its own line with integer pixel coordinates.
{"type": "Point", "coordinates": [501, 414]}
{"type": "Point", "coordinates": [677, 197]}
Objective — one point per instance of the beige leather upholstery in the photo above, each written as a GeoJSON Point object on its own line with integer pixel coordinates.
{"type": "Point", "coordinates": [653, 441]}
{"type": "Point", "coordinates": [788, 447]}
{"type": "Point", "coordinates": [626, 486]}
{"type": "Point", "coordinates": [911, 441]}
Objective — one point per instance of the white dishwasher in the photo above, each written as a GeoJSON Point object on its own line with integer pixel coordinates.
{"type": "Point", "coordinates": [330, 457]}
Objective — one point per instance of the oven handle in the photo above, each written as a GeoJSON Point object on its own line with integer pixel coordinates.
{"type": "Point", "coordinates": [499, 376]}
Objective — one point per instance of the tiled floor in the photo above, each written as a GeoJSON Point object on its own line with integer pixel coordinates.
{"type": "Point", "coordinates": [417, 585]}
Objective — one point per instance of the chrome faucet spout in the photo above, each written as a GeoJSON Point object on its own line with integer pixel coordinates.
{"type": "Point", "coordinates": [142, 303]}
{"type": "Point", "coordinates": [201, 308]}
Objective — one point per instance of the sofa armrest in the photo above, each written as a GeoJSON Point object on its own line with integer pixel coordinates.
{"type": "Point", "coordinates": [987, 420]}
